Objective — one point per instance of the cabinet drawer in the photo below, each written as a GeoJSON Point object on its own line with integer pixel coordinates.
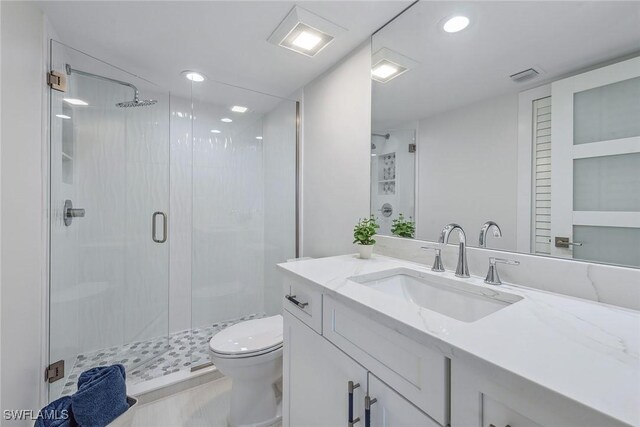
{"type": "Point", "coordinates": [418, 373]}
{"type": "Point", "coordinates": [305, 303]}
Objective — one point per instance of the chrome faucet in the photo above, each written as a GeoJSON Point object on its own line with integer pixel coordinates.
{"type": "Point", "coordinates": [492, 275]}
{"type": "Point", "coordinates": [489, 225]}
{"type": "Point", "coordinates": [462, 270]}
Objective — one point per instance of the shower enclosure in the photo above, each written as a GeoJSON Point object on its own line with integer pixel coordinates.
{"type": "Point", "coordinates": [166, 222]}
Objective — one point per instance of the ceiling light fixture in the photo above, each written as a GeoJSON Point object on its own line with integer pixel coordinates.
{"type": "Point", "coordinates": [389, 64]}
{"type": "Point", "coordinates": [226, 120]}
{"type": "Point", "coordinates": [304, 32]}
{"type": "Point", "coordinates": [238, 109]}
{"type": "Point", "coordinates": [215, 131]}
{"type": "Point", "coordinates": [259, 137]}
{"type": "Point", "coordinates": [455, 24]}
{"type": "Point", "coordinates": [63, 116]}
{"type": "Point", "coordinates": [193, 76]}
{"type": "Point", "coordinates": [386, 70]}
{"type": "Point", "coordinates": [75, 101]}
{"type": "Point", "coordinates": [306, 40]}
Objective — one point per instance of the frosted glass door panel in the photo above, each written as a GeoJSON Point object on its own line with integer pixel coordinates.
{"type": "Point", "coordinates": [243, 207]}
{"type": "Point", "coordinates": [609, 183]}
{"type": "Point", "coordinates": [607, 112]}
{"type": "Point", "coordinates": [108, 278]}
{"type": "Point", "coordinates": [615, 245]}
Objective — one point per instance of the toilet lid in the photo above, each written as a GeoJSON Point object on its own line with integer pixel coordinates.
{"type": "Point", "coordinates": [250, 336]}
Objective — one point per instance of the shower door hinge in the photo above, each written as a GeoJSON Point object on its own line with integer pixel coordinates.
{"type": "Point", "coordinates": [54, 372]}
{"type": "Point", "coordinates": [412, 148]}
{"type": "Point", "coordinates": [57, 81]}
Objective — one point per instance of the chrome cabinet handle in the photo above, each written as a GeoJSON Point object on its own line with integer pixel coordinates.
{"type": "Point", "coordinates": [563, 242]}
{"type": "Point", "coordinates": [368, 401]}
{"type": "Point", "coordinates": [350, 387]}
{"type": "Point", "coordinates": [292, 299]}
{"type": "Point", "coordinates": [164, 227]}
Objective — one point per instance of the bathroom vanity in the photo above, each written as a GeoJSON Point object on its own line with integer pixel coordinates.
{"type": "Point", "coordinates": [388, 342]}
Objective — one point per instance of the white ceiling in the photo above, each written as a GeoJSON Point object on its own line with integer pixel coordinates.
{"type": "Point", "coordinates": [504, 38]}
{"type": "Point", "coordinates": [226, 40]}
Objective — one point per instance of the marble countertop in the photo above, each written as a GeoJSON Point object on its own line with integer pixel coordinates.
{"type": "Point", "coordinates": [583, 350]}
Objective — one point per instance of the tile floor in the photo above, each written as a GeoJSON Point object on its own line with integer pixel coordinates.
{"type": "Point", "coordinates": [145, 360]}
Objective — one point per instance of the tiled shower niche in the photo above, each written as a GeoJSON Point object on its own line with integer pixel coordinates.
{"type": "Point", "coordinates": [387, 174]}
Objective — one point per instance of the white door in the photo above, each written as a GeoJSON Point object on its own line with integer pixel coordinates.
{"type": "Point", "coordinates": [389, 409]}
{"type": "Point", "coordinates": [316, 380]}
{"type": "Point", "coordinates": [595, 174]}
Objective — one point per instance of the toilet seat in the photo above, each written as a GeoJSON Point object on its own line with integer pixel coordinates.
{"type": "Point", "coordinates": [249, 338]}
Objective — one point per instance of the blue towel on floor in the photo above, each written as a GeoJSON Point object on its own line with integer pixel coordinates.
{"type": "Point", "coordinates": [101, 396]}
{"type": "Point", "coordinates": [56, 414]}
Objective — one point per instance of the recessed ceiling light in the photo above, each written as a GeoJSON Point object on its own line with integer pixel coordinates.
{"type": "Point", "coordinates": [386, 70]}
{"type": "Point", "coordinates": [306, 40]}
{"type": "Point", "coordinates": [193, 76]}
{"type": "Point", "coordinates": [226, 120]}
{"type": "Point", "coordinates": [304, 32]}
{"type": "Point", "coordinates": [259, 137]}
{"type": "Point", "coordinates": [455, 24]}
{"type": "Point", "coordinates": [238, 109]}
{"type": "Point", "coordinates": [63, 116]}
{"type": "Point", "coordinates": [75, 101]}
{"type": "Point", "coordinates": [215, 131]}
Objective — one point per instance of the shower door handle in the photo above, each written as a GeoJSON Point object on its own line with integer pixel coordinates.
{"type": "Point", "coordinates": [164, 227]}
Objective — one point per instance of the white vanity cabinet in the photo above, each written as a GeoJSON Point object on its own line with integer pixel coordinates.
{"type": "Point", "coordinates": [391, 409]}
{"type": "Point", "coordinates": [487, 399]}
{"type": "Point", "coordinates": [317, 387]}
{"type": "Point", "coordinates": [330, 343]}
{"type": "Point", "coordinates": [316, 379]}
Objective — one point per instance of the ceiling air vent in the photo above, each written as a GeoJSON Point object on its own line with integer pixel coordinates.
{"type": "Point", "coordinates": [524, 75]}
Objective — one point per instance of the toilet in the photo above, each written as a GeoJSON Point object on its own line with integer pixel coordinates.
{"type": "Point", "coordinates": [250, 353]}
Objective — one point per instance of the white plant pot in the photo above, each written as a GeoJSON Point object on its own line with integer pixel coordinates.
{"type": "Point", "coordinates": [365, 251]}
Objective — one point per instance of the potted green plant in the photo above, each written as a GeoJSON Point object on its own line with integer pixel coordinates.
{"type": "Point", "coordinates": [363, 234]}
{"type": "Point", "coordinates": [402, 227]}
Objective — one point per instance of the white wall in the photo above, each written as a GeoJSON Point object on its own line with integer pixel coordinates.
{"type": "Point", "coordinates": [336, 153]}
{"type": "Point", "coordinates": [279, 167]}
{"type": "Point", "coordinates": [23, 199]}
{"type": "Point", "coordinates": [479, 141]}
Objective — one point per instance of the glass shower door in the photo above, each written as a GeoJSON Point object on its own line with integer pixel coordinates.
{"type": "Point", "coordinates": [109, 201]}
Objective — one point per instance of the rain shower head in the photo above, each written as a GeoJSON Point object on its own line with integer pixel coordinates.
{"type": "Point", "coordinates": [136, 103]}
{"type": "Point", "coordinates": [125, 104]}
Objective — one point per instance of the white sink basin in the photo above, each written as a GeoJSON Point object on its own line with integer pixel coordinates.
{"type": "Point", "coordinates": [450, 297]}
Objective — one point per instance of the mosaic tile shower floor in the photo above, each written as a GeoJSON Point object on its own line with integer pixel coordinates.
{"type": "Point", "coordinates": [179, 351]}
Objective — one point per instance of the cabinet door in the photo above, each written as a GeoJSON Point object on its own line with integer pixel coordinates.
{"type": "Point", "coordinates": [316, 379]}
{"type": "Point", "coordinates": [484, 397]}
{"type": "Point", "coordinates": [392, 410]}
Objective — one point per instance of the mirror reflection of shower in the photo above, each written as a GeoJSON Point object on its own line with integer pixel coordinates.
{"type": "Point", "coordinates": [392, 176]}
{"type": "Point", "coordinates": [385, 136]}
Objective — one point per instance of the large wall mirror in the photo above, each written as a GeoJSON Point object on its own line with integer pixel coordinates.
{"type": "Point", "coordinates": [522, 113]}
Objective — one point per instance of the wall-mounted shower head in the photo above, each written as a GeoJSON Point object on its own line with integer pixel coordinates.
{"type": "Point", "coordinates": [136, 103]}
{"type": "Point", "coordinates": [386, 136]}
{"type": "Point", "coordinates": [126, 104]}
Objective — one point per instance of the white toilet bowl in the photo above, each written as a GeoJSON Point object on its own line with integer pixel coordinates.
{"type": "Point", "coordinates": [250, 353]}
